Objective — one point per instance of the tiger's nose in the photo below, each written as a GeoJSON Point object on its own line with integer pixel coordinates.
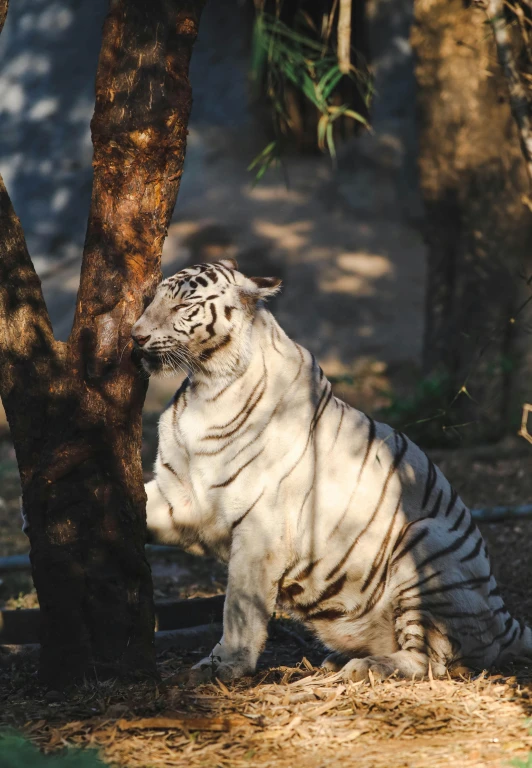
{"type": "Point", "coordinates": [140, 340]}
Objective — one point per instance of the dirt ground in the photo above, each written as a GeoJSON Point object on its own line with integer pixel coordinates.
{"type": "Point", "coordinates": [289, 714]}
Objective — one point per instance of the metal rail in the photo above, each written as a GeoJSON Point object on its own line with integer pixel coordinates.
{"type": "Point", "coordinates": [13, 563]}
{"type": "Point", "coordinates": [21, 626]}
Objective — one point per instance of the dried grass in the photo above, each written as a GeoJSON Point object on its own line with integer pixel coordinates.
{"type": "Point", "coordinates": [295, 716]}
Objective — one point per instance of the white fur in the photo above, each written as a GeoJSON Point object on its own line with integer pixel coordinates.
{"type": "Point", "coordinates": [260, 465]}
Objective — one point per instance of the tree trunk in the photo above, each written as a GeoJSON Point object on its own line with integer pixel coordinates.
{"type": "Point", "coordinates": [478, 231]}
{"type": "Point", "coordinates": [74, 409]}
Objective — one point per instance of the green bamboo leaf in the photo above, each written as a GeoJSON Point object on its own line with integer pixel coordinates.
{"type": "Point", "coordinates": [330, 80]}
{"type": "Point", "coordinates": [258, 51]}
{"type": "Point", "coordinates": [322, 129]}
{"type": "Point", "coordinates": [336, 112]}
{"type": "Point", "coordinates": [277, 27]}
{"type": "Point", "coordinates": [272, 146]}
{"type": "Point", "coordinates": [357, 116]}
{"type": "Point", "coordinates": [330, 142]}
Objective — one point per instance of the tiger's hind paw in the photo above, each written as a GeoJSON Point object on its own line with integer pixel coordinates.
{"type": "Point", "coordinates": [405, 664]}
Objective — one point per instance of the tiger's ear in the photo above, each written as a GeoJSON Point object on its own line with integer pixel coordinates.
{"type": "Point", "coordinates": [228, 263]}
{"type": "Point", "coordinates": [257, 289]}
{"type": "Point", "coordinates": [266, 286]}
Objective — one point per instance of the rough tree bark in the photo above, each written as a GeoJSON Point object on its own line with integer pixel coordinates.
{"type": "Point", "coordinates": [478, 231]}
{"type": "Point", "coordinates": [74, 409]}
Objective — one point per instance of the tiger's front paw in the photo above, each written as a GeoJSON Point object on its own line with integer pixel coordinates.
{"type": "Point", "coordinates": [202, 672]}
{"type": "Point", "coordinates": [406, 664]}
{"type": "Point", "coordinates": [335, 661]}
{"type": "Point", "coordinates": [213, 667]}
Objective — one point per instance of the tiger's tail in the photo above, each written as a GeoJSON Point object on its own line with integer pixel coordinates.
{"type": "Point", "coordinates": [521, 645]}
{"type": "Point", "coordinates": [525, 647]}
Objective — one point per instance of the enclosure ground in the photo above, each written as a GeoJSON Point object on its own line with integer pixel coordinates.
{"type": "Point", "coordinates": [289, 714]}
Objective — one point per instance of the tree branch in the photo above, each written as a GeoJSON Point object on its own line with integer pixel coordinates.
{"type": "Point", "coordinates": [519, 103]}
{"type": "Point", "coordinates": [3, 12]}
{"type": "Point", "coordinates": [27, 344]}
{"type": "Point", "coordinates": [26, 336]}
{"type": "Point", "coordinates": [139, 129]}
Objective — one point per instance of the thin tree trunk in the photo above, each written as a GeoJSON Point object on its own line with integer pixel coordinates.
{"type": "Point", "coordinates": [75, 409]}
{"type": "Point", "coordinates": [477, 230]}
{"type": "Point", "coordinates": [344, 36]}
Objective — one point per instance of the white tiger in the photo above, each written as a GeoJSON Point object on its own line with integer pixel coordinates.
{"type": "Point", "coordinates": [343, 520]}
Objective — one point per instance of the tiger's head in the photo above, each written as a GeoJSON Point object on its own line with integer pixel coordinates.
{"type": "Point", "coordinates": [199, 316]}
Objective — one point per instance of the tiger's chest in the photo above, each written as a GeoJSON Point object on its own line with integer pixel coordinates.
{"type": "Point", "coordinates": [203, 472]}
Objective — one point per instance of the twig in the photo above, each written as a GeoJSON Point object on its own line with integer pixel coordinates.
{"type": "Point", "coordinates": [518, 97]}
{"type": "Point", "coordinates": [523, 432]}
{"type": "Point", "coordinates": [522, 21]}
{"type": "Point", "coordinates": [183, 723]}
{"type": "Point", "coordinates": [330, 22]}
